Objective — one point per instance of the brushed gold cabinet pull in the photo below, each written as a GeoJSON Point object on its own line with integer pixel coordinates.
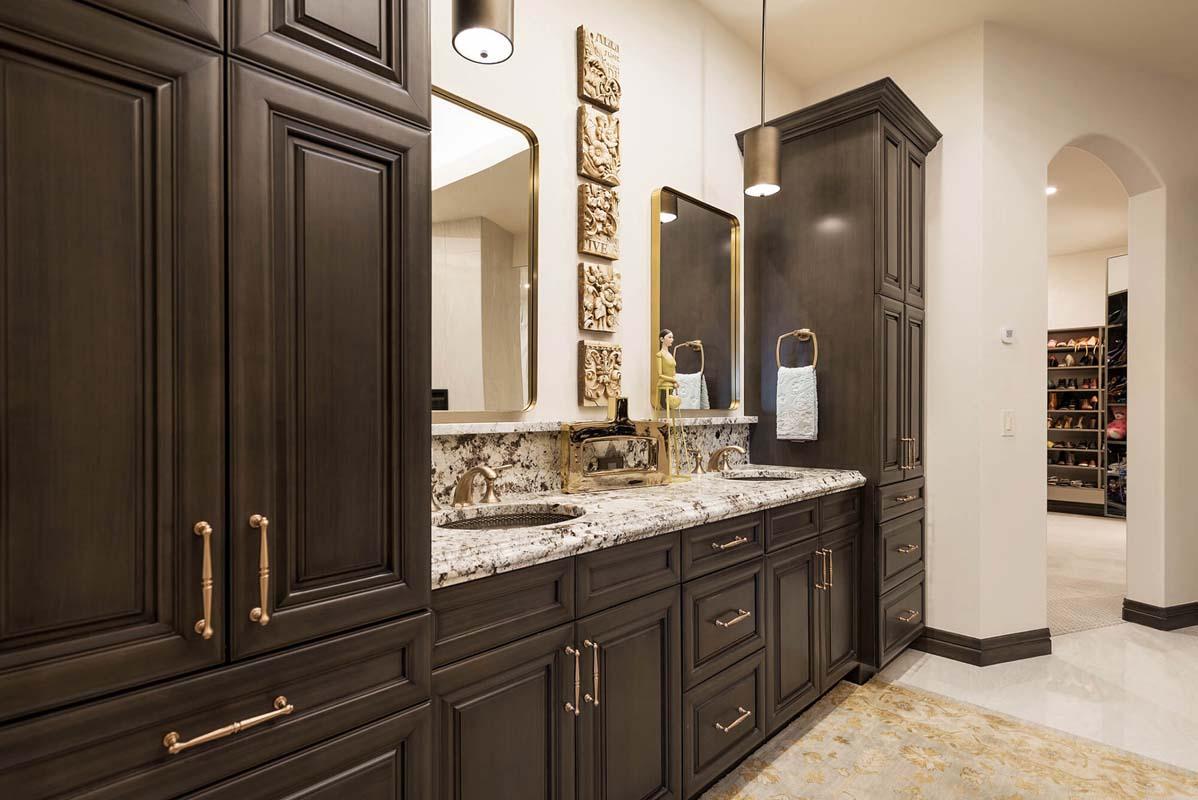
{"type": "Point", "coordinates": [910, 615]}
{"type": "Point", "coordinates": [907, 548]}
{"type": "Point", "coordinates": [594, 647]}
{"type": "Point", "coordinates": [741, 616]}
{"type": "Point", "coordinates": [728, 545]}
{"type": "Point", "coordinates": [261, 614]}
{"type": "Point", "coordinates": [904, 498]}
{"type": "Point", "coordinates": [744, 715]}
{"type": "Point", "coordinates": [204, 626]}
{"type": "Point", "coordinates": [173, 745]}
{"type": "Point", "coordinates": [823, 572]}
{"type": "Point", "coordinates": [831, 570]}
{"type": "Point", "coordinates": [574, 708]}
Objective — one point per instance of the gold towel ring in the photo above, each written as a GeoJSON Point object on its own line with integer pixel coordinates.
{"type": "Point", "coordinates": [693, 344]}
{"type": "Point", "coordinates": [803, 335]}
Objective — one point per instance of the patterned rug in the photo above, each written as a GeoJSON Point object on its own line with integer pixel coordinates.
{"type": "Point", "coordinates": [887, 741]}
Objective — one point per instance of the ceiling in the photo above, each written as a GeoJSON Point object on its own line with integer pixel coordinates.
{"type": "Point", "coordinates": [1089, 210]}
{"type": "Point", "coordinates": [812, 40]}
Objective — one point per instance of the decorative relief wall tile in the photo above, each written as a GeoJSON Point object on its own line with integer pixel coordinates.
{"type": "Point", "coordinates": [598, 145]}
{"type": "Point", "coordinates": [600, 297]}
{"type": "Point", "coordinates": [598, 221]}
{"type": "Point", "coordinates": [598, 69]}
{"type": "Point", "coordinates": [600, 372]}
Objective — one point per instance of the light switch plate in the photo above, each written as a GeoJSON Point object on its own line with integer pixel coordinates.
{"type": "Point", "coordinates": [1008, 422]}
{"type": "Point", "coordinates": [1006, 334]}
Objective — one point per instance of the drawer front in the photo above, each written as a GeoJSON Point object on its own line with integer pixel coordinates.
{"type": "Point", "coordinates": [115, 749]}
{"type": "Point", "coordinates": [840, 509]}
{"type": "Point", "coordinates": [606, 578]}
{"type": "Point", "coordinates": [469, 618]}
{"type": "Point", "coordinates": [722, 620]}
{"type": "Point", "coordinates": [902, 542]}
{"type": "Point", "coordinates": [721, 544]}
{"type": "Point", "coordinates": [389, 758]}
{"type": "Point", "coordinates": [898, 499]}
{"type": "Point", "coordinates": [901, 612]}
{"type": "Point", "coordinates": [721, 722]}
{"type": "Point", "coordinates": [791, 524]}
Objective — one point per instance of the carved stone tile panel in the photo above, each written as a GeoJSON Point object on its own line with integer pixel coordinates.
{"type": "Point", "coordinates": [598, 69]}
{"type": "Point", "coordinates": [600, 372]}
{"type": "Point", "coordinates": [598, 221]}
{"type": "Point", "coordinates": [600, 297]}
{"type": "Point", "coordinates": [598, 145]}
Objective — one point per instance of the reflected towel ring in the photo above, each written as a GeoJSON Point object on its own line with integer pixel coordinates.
{"type": "Point", "coordinates": [693, 344]}
{"type": "Point", "coordinates": [803, 335]}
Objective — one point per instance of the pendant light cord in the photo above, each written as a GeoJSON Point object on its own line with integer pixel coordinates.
{"type": "Point", "coordinates": [763, 62]}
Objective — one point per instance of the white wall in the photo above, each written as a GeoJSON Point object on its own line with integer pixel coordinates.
{"type": "Point", "coordinates": [1077, 288]}
{"type": "Point", "coordinates": [688, 86]}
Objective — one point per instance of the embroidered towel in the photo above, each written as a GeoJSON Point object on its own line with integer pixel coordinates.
{"type": "Point", "coordinates": [798, 405]}
{"type": "Point", "coordinates": [692, 388]}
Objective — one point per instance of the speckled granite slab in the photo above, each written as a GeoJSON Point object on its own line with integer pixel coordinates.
{"type": "Point", "coordinates": [613, 518]}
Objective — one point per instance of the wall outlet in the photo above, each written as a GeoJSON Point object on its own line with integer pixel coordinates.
{"type": "Point", "coordinates": [1008, 422]}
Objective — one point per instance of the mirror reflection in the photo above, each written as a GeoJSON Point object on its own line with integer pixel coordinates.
{"type": "Point", "coordinates": [695, 309]}
{"type": "Point", "coordinates": [484, 178]}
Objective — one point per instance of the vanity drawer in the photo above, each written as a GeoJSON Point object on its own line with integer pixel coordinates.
{"type": "Point", "coordinates": [114, 748]}
{"type": "Point", "coordinates": [721, 544]}
{"type": "Point", "coordinates": [898, 499]}
{"type": "Point", "coordinates": [903, 544]}
{"type": "Point", "coordinates": [721, 722]}
{"type": "Point", "coordinates": [469, 618]}
{"type": "Point", "coordinates": [901, 611]}
{"type": "Point", "coordinates": [791, 524]}
{"type": "Point", "coordinates": [605, 578]}
{"type": "Point", "coordinates": [722, 620]}
{"type": "Point", "coordinates": [839, 510]}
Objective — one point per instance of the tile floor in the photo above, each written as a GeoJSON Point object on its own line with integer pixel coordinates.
{"type": "Point", "coordinates": [1086, 574]}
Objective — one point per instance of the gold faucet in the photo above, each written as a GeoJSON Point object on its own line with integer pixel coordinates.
{"type": "Point", "coordinates": [464, 488]}
{"type": "Point", "coordinates": [719, 459]}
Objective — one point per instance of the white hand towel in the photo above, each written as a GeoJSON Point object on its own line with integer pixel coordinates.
{"type": "Point", "coordinates": [692, 388]}
{"type": "Point", "coordinates": [798, 405]}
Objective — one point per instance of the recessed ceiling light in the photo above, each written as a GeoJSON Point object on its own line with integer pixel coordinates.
{"type": "Point", "coordinates": [1050, 190]}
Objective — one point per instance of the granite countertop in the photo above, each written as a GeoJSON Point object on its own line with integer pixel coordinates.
{"type": "Point", "coordinates": [616, 517]}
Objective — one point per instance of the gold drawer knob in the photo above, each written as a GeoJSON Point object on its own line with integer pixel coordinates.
{"type": "Point", "coordinates": [741, 616]}
{"type": "Point", "coordinates": [906, 549]}
{"type": "Point", "coordinates": [728, 545]}
{"type": "Point", "coordinates": [744, 715]}
{"type": "Point", "coordinates": [904, 498]}
{"type": "Point", "coordinates": [910, 615]}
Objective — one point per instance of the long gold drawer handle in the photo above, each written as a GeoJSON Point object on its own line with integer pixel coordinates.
{"type": "Point", "coordinates": [905, 549]}
{"type": "Point", "coordinates": [728, 545]}
{"type": "Point", "coordinates": [594, 648]}
{"type": "Point", "coordinates": [173, 745]}
{"type": "Point", "coordinates": [204, 626]}
{"type": "Point", "coordinates": [904, 498]}
{"type": "Point", "coordinates": [741, 616]}
{"type": "Point", "coordinates": [744, 715]}
{"type": "Point", "coordinates": [910, 615]}
{"type": "Point", "coordinates": [831, 570]}
{"type": "Point", "coordinates": [261, 614]}
{"type": "Point", "coordinates": [574, 708]}
{"type": "Point", "coordinates": [823, 571]}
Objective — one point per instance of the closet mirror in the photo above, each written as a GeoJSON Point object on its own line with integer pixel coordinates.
{"type": "Point", "coordinates": [695, 306]}
{"type": "Point", "coordinates": [484, 263]}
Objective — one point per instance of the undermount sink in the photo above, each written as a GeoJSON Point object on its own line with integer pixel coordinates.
{"type": "Point", "coordinates": [762, 474]}
{"type": "Point", "coordinates": [493, 518]}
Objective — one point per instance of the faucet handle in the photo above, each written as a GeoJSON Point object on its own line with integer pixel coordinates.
{"type": "Point", "coordinates": [491, 496]}
{"type": "Point", "coordinates": [697, 454]}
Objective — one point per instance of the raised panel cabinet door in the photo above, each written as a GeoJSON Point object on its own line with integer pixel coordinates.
{"type": "Point", "coordinates": [329, 364]}
{"type": "Point", "coordinates": [388, 760]}
{"type": "Point", "coordinates": [792, 580]}
{"type": "Point", "coordinates": [630, 731]}
{"type": "Point", "coordinates": [913, 378]}
{"type": "Point", "coordinates": [201, 20]}
{"type": "Point", "coordinates": [503, 731]}
{"type": "Point", "coordinates": [890, 245]}
{"type": "Point", "coordinates": [838, 613]}
{"type": "Point", "coordinates": [913, 226]}
{"type": "Point", "coordinates": [891, 388]}
{"type": "Point", "coordinates": [112, 347]}
{"type": "Point", "coordinates": [375, 51]}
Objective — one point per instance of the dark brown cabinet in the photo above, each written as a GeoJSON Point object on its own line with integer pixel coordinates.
{"type": "Point", "coordinates": [838, 606]}
{"type": "Point", "coordinates": [913, 390]}
{"type": "Point", "coordinates": [201, 20]}
{"type": "Point", "coordinates": [793, 583]}
{"type": "Point", "coordinates": [892, 390]}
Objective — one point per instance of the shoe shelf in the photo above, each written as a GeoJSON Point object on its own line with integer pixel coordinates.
{"type": "Point", "coordinates": [1115, 338]}
{"type": "Point", "coordinates": [1062, 496]}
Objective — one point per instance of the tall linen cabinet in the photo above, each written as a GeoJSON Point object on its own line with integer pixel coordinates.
{"type": "Point", "coordinates": [840, 250]}
{"type": "Point", "coordinates": [214, 568]}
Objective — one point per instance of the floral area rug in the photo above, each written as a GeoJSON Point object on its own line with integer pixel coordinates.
{"type": "Point", "coordinates": [881, 741]}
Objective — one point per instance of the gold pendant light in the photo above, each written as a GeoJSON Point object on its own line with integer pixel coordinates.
{"type": "Point", "coordinates": [762, 144]}
{"type": "Point", "coordinates": [483, 30]}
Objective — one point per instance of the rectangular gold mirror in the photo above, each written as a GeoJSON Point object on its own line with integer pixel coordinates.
{"type": "Point", "coordinates": [695, 306]}
{"type": "Point", "coordinates": [484, 263]}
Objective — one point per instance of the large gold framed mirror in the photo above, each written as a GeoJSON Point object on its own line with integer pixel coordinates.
{"type": "Point", "coordinates": [484, 263]}
{"type": "Point", "coordinates": [695, 306]}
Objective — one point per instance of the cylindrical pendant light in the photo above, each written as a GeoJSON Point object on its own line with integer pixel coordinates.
{"type": "Point", "coordinates": [762, 144]}
{"type": "Point", "coordinates": [669, 207]}
{"type": "Point", "coordinates": [483, 30]}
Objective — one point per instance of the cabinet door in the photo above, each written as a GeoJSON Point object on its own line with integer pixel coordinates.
{"type": "Point", "coordinates": [329, 363]}
{"type": "Point", "coordinates": [890, 254]}
{"type": "Point", "coordinates": [838, 615]}
{"type": "Point", "coordinates": [891, 388]}
{"type": "Point", "coordinates": [792, 632]}
{"type": "Point", "coordinates": [376, 51]}
{"type": "Point", "coordinates": [111, 357]}
{"type": "Point", "coordinates": [913, 379]}
{"type": "Point", "coordinates": [913, 227]}
{"type": "Point", "coordinates": [630, 735]}
{"type": "Point", "coordinates": [502, 726]}
{"type": "Point", "coordinates": [202, 20]}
